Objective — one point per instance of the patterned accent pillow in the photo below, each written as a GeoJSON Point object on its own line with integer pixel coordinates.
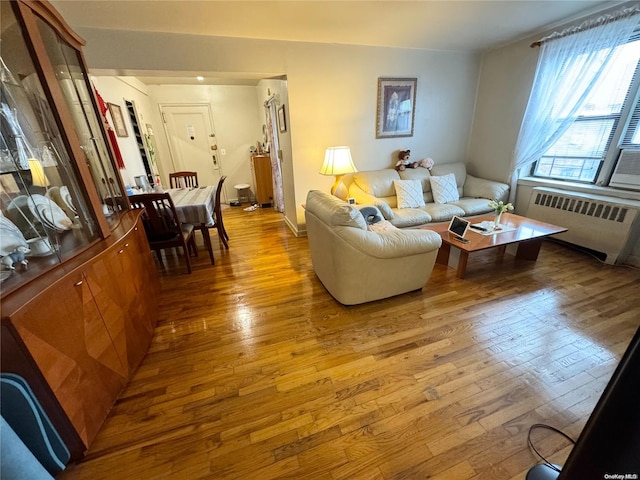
{"type": "Point", "coordinates": [444, 188]}
{"type": "Point", "coordinates": [383, 226]}
{"type": "Point", "coordinates": [409, 193]}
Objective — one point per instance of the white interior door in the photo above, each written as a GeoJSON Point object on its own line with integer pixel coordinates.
{"type": "Point", "coordinates": [192, 141]}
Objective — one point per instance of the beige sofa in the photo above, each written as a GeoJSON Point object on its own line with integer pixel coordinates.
{"type": "Point", "coordinates": [376, 187]}
{"type": "Point", "coordinates": [357, 265]}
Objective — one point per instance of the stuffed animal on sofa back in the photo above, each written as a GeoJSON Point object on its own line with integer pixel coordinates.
{"type": "Point", "coordinates": [426, 163]}
{"type": "Point", "coordinates": [403, 160]}
{"type": "Point", "coordinates": [404, 163]}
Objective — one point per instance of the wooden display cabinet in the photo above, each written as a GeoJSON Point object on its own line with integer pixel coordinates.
{"type": "Point", "coordinates": [80, 337]}
{"type": "Point", "coordinates": [78, 320]}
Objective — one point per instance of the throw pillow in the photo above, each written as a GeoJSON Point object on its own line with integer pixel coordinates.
{"type": "Point", "coordinates": [409, 193]}
{"type": "Point", "coordinates": [383, 226]}
{"type": "Point", "coordinates": [444, 188]}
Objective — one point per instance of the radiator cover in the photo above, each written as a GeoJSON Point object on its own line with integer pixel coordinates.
{"type": "Point", "coordinates": [605, 224]}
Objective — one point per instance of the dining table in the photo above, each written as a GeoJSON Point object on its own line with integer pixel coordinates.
{"type": "Point", "coordinates": [196, 206]}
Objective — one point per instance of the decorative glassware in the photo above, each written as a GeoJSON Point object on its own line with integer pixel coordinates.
{"type": "Point", "coordinates": [499, 208]}
{"type": "Point", "coordinates": [496, 220]}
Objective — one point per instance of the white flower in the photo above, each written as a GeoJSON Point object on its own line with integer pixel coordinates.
{"type": "Point", "coordinates": [500, 207]}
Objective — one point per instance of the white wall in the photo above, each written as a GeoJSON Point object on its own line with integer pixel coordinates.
{"type": "Point", "coordinates": [332, 92]}
{"type": "Point", "coordinates": [503, 92]}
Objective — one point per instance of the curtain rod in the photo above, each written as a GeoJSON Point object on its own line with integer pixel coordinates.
{"type": "Point", "coordinates": [603, 20]}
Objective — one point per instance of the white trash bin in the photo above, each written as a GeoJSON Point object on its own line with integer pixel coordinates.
{"type": "Point", "coordinates": [243, 192]}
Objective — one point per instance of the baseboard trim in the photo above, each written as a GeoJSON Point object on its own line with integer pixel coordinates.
{"type": "Point", "coordinates": [294, 228]}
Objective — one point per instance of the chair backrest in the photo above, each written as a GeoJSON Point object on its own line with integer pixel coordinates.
{"type": "Point", "coordinates": [160, 218]}
{"type": "Point", "coordinates": [217, 209]}
{"type": "Point", "coordinates": [183, 179]}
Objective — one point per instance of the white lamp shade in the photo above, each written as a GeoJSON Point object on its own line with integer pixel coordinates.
{"type": "Point", "coordinates": [337, 161]}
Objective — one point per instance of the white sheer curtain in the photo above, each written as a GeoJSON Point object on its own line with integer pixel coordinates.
{"type": "Point", "coordinates": [569, 66]}
{"type": "Point", "coordinates": [274, 141]}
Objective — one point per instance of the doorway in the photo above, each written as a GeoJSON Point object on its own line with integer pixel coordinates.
{"type": "Point", "coordinates": [192, 141]}
{"type": "Point", "coordinates": [140, 138]}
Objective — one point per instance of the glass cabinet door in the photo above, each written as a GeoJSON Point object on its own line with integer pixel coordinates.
{"type": "Point", "coordinates": [46, 214]}
{"type": "Point", "coordinates": [75, 86]}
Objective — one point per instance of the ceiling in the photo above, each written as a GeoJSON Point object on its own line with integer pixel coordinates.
{"type": "Point", "coordinates": [469, 26]}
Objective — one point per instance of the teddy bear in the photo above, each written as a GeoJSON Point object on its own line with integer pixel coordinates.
{"type": "Point", "coordinates": [18, 255]}
{"type": "Point", "coordinates": [426, 163]}
{"type": "Point", "coordinates": [403, 160]}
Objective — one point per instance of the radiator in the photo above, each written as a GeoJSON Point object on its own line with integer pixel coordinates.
{"type": "Point", "coordinates": [605, 224]}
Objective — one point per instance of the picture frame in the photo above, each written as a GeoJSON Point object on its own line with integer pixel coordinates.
{"type": "Point", "coordinates": [282, 119]}
{"type": "Point", "coordinates": [396, 107]}
{"type": "Point", "coordinates": [118, 120]}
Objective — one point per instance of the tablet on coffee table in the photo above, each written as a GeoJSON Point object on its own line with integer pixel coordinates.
{"type": "Point", "coordinates": [459, 226]}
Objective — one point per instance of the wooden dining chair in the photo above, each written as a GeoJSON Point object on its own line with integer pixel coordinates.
{"type": "Point", "coordinates": [162, 226]}
{"type": "Point", "coordinates": [183, 179]}
{"type": "Point", "coordinates": [217, 215]}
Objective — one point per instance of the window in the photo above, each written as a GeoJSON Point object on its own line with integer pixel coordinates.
{"type": "Point", "coordinates": [631, 137]}
{"type": "Point", "coordinates": [580, 153]}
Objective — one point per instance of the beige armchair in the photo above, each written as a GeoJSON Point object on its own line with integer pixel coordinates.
{"type": "Point", "coordinates": [356, 265]}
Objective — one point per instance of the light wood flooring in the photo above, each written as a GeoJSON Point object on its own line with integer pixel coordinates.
{"type": "Point", "coordinates": [255, 372]}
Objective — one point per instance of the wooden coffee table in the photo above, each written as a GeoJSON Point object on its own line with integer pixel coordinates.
{"type": "Point", "coordinates": [525, 232]}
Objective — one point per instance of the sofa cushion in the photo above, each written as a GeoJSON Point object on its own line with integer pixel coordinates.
{"type": "Point", "coordinates": [444, 188]}
{"type": "Point", "coordinates": [385, 209]}
{"type": "Point", "coordinates": [473, 206]}
{"type": "Point", "coordinates": [333, 211]}
{"type": "Point", "coordinates": [443, 212]}
{"type": "Point", "coordinates": [459, 169]}
{"type": "Point", "coordinates": [378, 183]}
{"type": "Point", "coordinates": [480, 188]}
{"type": "Point", "coordinates": [409, 193]}
{"type": "Point", "coordinates": [421, 174]}
{"type": "Point", "coordinates": [363, 198]}
{"type": "Point", "coordinates": [410, 217]}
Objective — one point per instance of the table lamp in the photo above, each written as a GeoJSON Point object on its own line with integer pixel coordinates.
{"type": "Point", "coordinates": [337, 161]}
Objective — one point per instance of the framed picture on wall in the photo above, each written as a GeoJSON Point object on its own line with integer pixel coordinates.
{"type": "Point", "coordinates": [118, 120]}
{"type": "Point", "coordinates": [396, 107]}
{"type": "Point", "coordinates": [282, 119]}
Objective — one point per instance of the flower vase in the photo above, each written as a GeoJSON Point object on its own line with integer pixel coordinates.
{"type": "Point", "coordinates": [496, 221]}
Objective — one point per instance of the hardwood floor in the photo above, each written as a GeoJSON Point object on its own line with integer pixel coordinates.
{"type": "Point", "coordinates": [255, 372]}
